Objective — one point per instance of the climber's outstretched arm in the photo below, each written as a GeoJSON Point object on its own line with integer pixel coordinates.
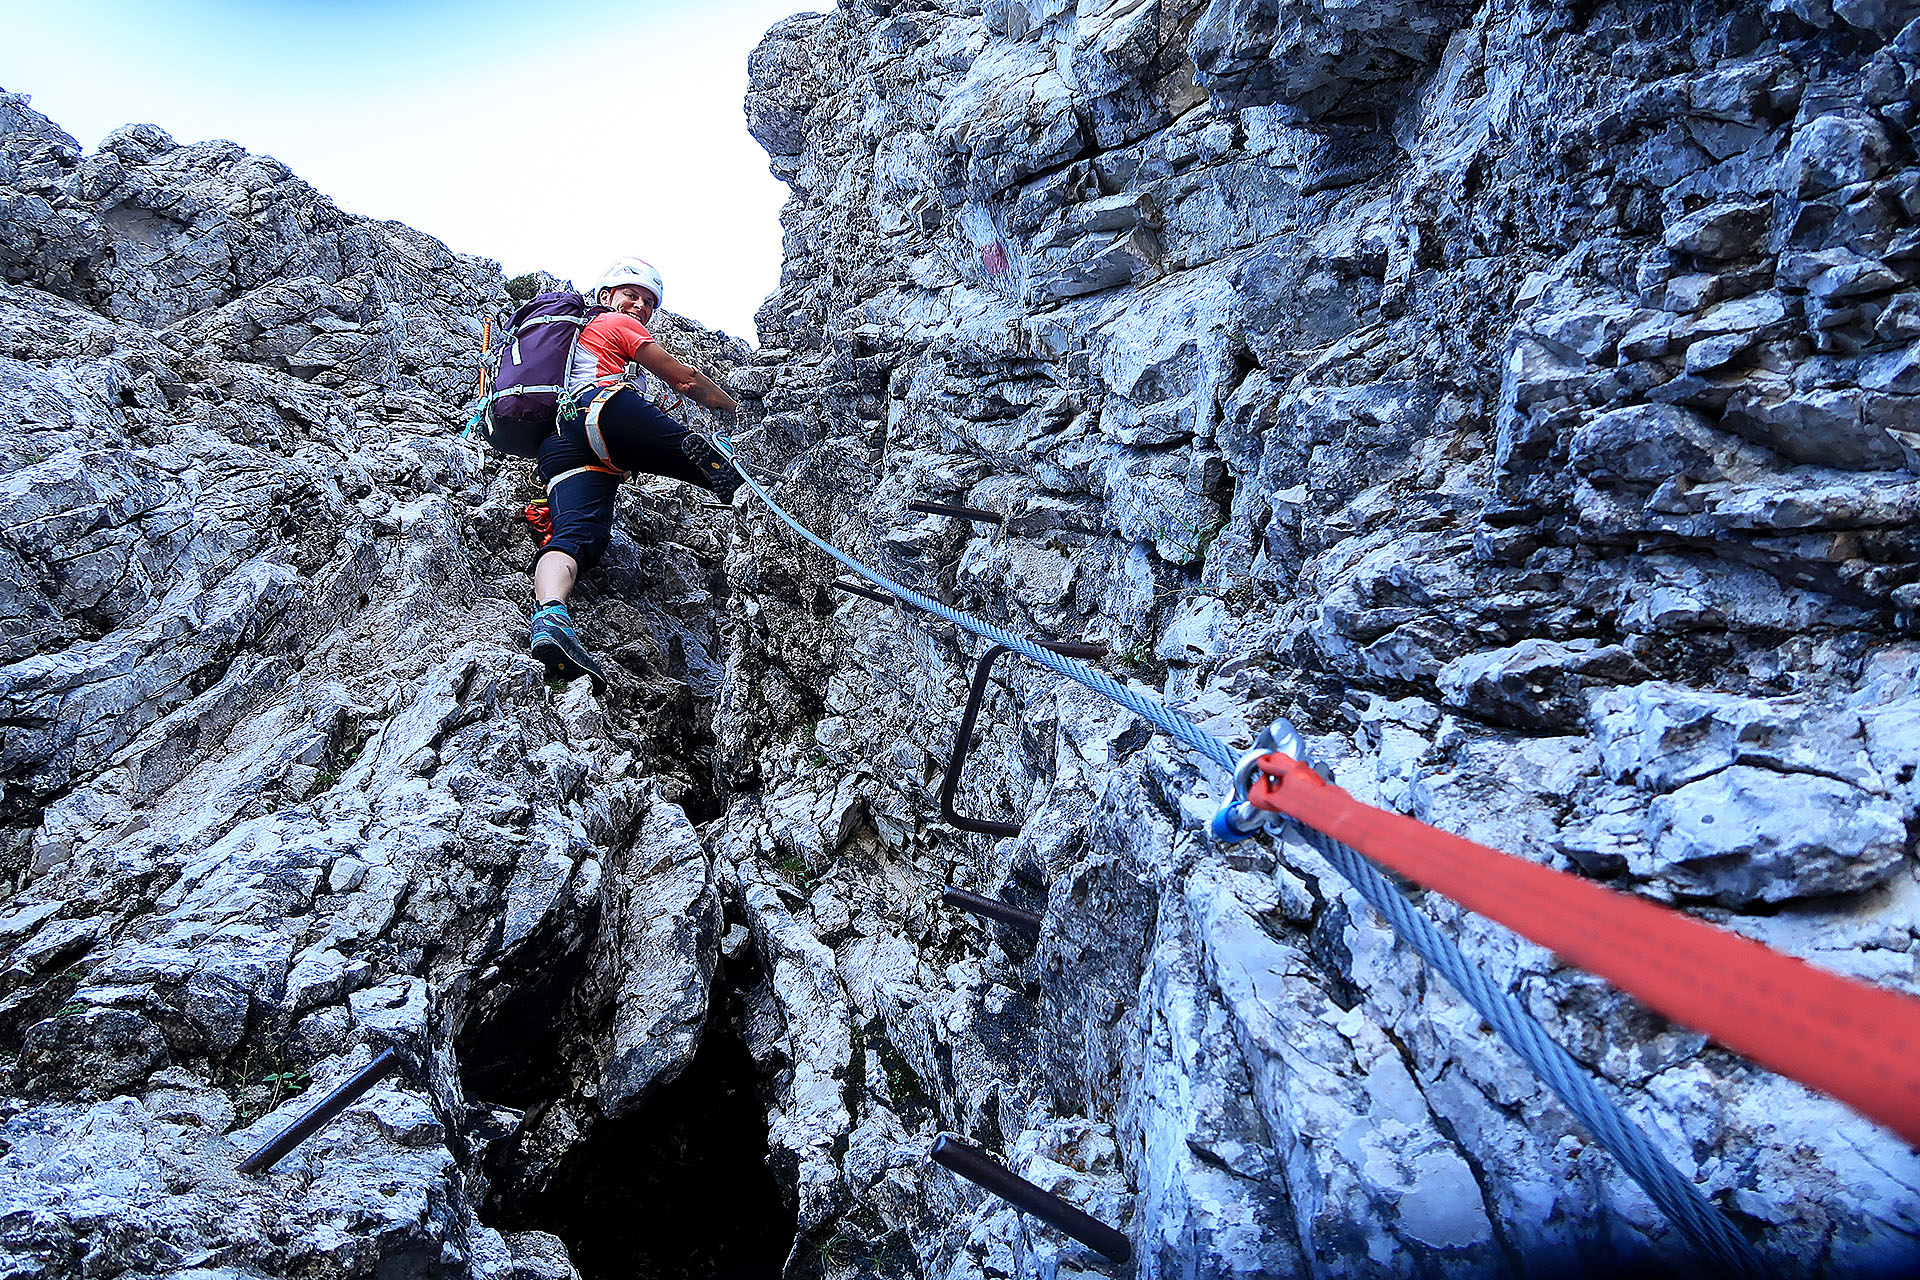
{"type": "Point", "coordinates": [684, 378]}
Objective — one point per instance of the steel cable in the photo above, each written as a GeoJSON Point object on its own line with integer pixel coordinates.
{"type": "Point", "coordinates": [1683, 1202]}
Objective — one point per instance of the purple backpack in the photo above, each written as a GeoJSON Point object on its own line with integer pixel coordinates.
{"type": "Point", "coordinates": [527, 372]}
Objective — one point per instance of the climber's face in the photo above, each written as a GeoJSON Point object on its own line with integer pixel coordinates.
{"type": "Point", "coordinates": [632, 300]}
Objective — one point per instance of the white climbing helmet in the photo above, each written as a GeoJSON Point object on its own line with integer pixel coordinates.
{"type": "Point", "coordinates": [632, 271]}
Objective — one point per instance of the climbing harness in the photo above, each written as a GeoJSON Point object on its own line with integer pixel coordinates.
{"type": "Point", "coordinates": [595, 437]}
{"type": "Point", "coordinates": [571, 472]}
{"type": "Point", "coordinates": [1705, 1225]}
{"type": "Point", "coordinates": [570, 409]}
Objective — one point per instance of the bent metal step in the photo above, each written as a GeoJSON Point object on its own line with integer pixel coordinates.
{"type": "Point", "coordinates": [977, 1167]}
{"type": "Point", "coordinates": [349, 1092]}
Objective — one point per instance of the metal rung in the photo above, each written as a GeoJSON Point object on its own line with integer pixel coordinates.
{"type": "Point", "coordinates": [992, 909]}
{"type": "Point", "coordinates": [765, 473]}
{"type": "Point", "coordinates": [963, 740]}
{"type": "Point", "coordinates": [962, 513]}
{"type": "Point", "coordinates": [330, 1106]}
{"type": "Point", "coordinates": [857, 589]}
{"type": "Point", "coordinates": [977, 1167]}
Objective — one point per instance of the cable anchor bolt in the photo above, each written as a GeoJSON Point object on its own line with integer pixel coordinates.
{"type": "Point", "coordinates": [1239, 819]}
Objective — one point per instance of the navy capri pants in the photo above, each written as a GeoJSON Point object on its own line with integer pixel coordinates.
{"type": "Point", "coordinates": [638, 437]}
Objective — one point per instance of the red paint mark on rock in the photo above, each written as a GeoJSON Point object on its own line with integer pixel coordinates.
{"type": "Point", "coordinates": [994, 258]}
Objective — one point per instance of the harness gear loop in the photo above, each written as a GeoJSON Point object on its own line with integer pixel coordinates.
{"type": "Point", "coordinates": [571, 472]}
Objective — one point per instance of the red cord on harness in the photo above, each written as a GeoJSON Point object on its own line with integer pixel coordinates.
{"type": "Point", "coordinates": [1857, 1042]}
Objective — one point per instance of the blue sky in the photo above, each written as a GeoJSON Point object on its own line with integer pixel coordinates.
{"type": "Point", "coordinates": [546, 133]}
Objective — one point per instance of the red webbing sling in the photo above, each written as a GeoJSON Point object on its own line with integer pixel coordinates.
{"type": "Point", "coordinates": [1855, 1041]}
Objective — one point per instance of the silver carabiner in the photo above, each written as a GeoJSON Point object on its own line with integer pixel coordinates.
{"type": "Point", "coordinates": [1239, 819]}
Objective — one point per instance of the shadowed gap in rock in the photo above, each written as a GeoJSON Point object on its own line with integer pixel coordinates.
{"type": "Point", "coordinates": [16, 848]}
{"type": "Point", "coordinates": [679, 1189]}
{"type": "Point", "coordinates": [512, 1053]}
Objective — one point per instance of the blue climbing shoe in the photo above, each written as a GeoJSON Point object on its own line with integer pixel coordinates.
{"type": "Point", "coordinates": [716, 468]}
{"type": "Point", "coordinates": [554, 643]}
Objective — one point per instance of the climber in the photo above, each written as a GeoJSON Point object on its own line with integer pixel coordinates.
{"type": "Point", "coordinates": [607, 431]}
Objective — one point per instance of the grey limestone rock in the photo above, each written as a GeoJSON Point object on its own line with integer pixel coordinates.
{"type": "Point", "coordinates": [280, 785]}
{"type": "Point", "coordinates": [1747, 835]}
{"type": "Point", "coordinates": [1317, 59]}
{"type": "Point", "coordinates": [1517, 397]}
{"type": "Point", "coordinates": [1513, 396]}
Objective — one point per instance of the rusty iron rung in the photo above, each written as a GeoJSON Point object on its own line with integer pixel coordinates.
{"type": "Point", "coordinates": [857, 589]}
{"type": "Point", "coordinates": [977, 1167]}
{"type": "Point", "coordinates": [992, 909]}
{"type": "Point", "coordinates": [963, 740]}
{"type": "Point", "coordinates": [1074, 648]}
{"type": "Point", "coordinates": [349, 1092]}
{"type": "Point", "coordinates": [962, 513]}
{"type": "Point", "coordinates": [765, 473]}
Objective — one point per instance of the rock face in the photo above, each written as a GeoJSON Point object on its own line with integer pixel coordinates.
{"type": "Point", "coordinates": [1518, 397]}
{"type": "Point", "coordinates": [281, 786]}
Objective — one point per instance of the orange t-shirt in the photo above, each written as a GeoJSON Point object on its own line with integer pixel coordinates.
{"type": "Point", "coordinates": [611, 341]}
